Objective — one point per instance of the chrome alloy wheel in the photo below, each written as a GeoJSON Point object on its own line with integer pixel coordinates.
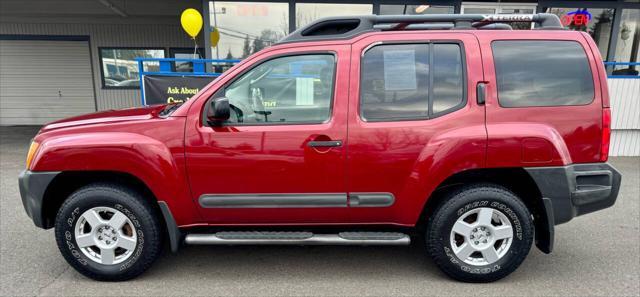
{"type": "Point", "coordinates": [481, 236]}
{"type": "Point", "coordinates": [105, 235]}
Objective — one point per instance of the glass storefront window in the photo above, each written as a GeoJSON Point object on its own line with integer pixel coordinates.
{"type": "Point", "coordinates": [309, 12]}
{"type": "Point", "coordinates": [598, 22]}
{"type": "Point", "coordinates": [247, 27]}
{"type": "Point", "coordinates": [501, 8]}
{"type": "Point", "coordinates": [120, 68]}
{"type": "Point", "coordinates": [414, 9]}
{"type": "Point", "coordinates": [628, 41]}
{"type": "Point", "coordinates": [184, 53]}
{"type": "Point", "coordinates": [479, 10]}
{"type": "Point", "coordinates": [518, 25]}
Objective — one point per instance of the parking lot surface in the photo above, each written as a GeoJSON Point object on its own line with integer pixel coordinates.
{"type": "Point", "coordinates": [595, 255]}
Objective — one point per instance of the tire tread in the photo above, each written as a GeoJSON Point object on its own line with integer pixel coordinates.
{"type": "Point", "coordinates": [448, 206]}
{"type": "Point", "coordinates": [144, 212]}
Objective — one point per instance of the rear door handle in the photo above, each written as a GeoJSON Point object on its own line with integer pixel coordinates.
{"type": "Point", "coordinates": [481, 93]}
{"type": "Point", "coordinates": [327, 143]}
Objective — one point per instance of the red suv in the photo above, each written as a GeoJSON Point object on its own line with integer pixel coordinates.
{"type": "Point", "coordinates": [452, 131]}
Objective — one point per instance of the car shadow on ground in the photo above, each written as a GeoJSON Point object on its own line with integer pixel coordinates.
{"type": "Point", "coordinates": [321, 263]}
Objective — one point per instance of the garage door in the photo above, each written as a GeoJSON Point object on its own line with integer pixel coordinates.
{"type": "Point", "coordinates": [42, 81]}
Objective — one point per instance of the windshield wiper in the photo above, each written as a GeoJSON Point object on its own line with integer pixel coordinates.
{"type": "Point", "coordinates": [169, 109]}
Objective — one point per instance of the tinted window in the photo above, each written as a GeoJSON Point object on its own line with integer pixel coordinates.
{"type": "Point", "coordinates": [293, 89]}
{"type": "Point", "coordinates": [542, 73]}
{"type": "Point", "coordinates": [395, 82]}
{"type": "Point", "coordinates": [448, 77]}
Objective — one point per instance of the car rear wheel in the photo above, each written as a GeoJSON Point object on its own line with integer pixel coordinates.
{"type": "Point", "coordinates": [108, 232]}
{"type": "Point", "coordinates": [480, 233]}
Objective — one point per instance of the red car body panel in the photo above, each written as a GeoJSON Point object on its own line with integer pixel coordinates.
{"type": "Point", "coordinates": [411, 158]}
{"type": "Point", "coordinates": [541, 136]}
{"type": "Point", "coordinates": [133, 141]}
{"type": "Point", "coordinates": [180, 158]}
{"type": "Point", "coordinates": [271, 158]}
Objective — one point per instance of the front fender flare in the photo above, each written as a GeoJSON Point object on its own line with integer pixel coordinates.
{"type": "Point", "coordinates": [148, 159]}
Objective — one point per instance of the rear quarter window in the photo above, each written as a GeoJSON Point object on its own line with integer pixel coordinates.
{"type": "Point", "coordinates": [542, 73]}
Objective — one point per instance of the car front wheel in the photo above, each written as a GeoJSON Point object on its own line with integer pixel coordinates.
{"type": "Point", "coordinates": [108, 232]}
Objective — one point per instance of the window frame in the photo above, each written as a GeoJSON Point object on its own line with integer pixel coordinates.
{"type": "Point", "coordinates": [184, 50]}
{"type": "Point", "coordinates": [222, 90]}
{"type": "Point", "coordinates": [430, 113]}
{"type": "Point", "coordinates": [100, 57]}
{"type": "Point", "coordinates": [586, 54]}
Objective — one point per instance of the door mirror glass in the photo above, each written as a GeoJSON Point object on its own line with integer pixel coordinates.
{"type": "Point", "coordinates": [218, 111]}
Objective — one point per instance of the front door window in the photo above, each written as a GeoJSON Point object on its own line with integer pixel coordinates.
{"type": "Point", "coordinates": [286, 90]}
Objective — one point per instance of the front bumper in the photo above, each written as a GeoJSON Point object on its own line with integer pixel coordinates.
{"type": "Point", "coordinates": [32, 188]}
{"type": "Point", "coordinates": [576, 189]}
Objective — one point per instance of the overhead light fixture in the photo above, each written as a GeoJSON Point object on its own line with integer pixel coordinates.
{"type": "Point", "coordinates": [113, 8]}
{"type": "Point", "coordinates": [421, 8]}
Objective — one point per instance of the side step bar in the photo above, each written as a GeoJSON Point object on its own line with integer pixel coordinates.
{"type": "Point", "coordinates": [298, 238]}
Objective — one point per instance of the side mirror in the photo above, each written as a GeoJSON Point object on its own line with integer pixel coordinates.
{"type": "Point", "coordinates": [218, 111]}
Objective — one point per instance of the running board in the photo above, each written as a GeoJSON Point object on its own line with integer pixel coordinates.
{"type": "Point", "coordinates": [298, 238]}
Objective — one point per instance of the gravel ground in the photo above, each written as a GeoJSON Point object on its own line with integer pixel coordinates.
{"type": "Point", "coordinates": [595, 255]}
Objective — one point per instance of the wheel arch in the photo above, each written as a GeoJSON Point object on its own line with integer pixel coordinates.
{"type": "Point", "coordinates": [516, 180]}
{"type": "Point", "coordinates": [67, 182]}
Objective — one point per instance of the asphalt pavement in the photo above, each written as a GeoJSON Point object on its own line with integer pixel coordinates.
{"type": "Point", "coordinates": [595, 255]}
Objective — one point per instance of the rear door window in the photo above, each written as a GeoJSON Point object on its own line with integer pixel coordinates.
{"type": "Point", "coordinates": [448, 77]}
{"type": "Point", "coordinates": [542, 73]}
{"type": "Point", "coordinates": [411, 81]}
{"type": "Point", "coordinates": [395, 82]}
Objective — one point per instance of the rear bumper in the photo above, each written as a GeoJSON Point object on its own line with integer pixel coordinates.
{"type": "Point", "coordinates": [577, 189]}
{"type": "Point", "coordinates": [32, 188]}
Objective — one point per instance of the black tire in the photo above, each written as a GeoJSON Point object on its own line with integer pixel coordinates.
{"type": "Point", "coordinates": [132, 204]}
{"type": "Point", "coordinates": [461, 201]}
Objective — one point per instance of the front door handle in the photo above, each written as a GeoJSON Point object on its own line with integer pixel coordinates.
{"type": "Point", "coordinates": [324, 143]}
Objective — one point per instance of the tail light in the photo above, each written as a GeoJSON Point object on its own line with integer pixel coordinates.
{"type": "Point", "coordinates": [606, 134]}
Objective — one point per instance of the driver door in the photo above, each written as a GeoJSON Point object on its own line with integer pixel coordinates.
{"type": "Point", "coordinates": [280, 158]}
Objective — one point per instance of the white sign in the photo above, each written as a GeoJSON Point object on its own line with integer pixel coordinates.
{"type": "Point", "coordinates": [399, 70]}
{"type": "Point", "coordinates": [304, 91]}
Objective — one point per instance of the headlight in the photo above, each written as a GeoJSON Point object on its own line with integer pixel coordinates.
{"type": "Point", "coordinates": [33, 148]}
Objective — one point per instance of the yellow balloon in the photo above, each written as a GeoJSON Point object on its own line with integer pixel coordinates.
{"type": "Point", "coordinates": [191, 21]}
{"type": "Point", "coordinates": [214, 37]}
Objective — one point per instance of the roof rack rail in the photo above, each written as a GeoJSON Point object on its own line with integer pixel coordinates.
{"type": "Point", "coordinates": [349, 26]}
{"type": "Point", "coordinates": [443, 26]}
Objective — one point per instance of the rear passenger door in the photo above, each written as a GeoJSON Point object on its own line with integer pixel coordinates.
{"type": "Point", "coordinates": [544, 104]}
{"type": "Point", "coordinates": [413, 121]}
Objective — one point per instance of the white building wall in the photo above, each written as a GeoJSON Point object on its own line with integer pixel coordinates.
{"type": "Point", "coordinates": [625, 116]}
{"type": "Point", "coordinates": [110, 35]}
{"type": "Point", "coordinates": [147, 23]}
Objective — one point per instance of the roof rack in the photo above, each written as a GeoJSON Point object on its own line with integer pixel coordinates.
{"type": "Point", "coordinates": [349, 26]}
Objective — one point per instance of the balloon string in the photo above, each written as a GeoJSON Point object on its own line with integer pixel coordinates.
{"type": "Point", "coordinates": [195, 47]}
